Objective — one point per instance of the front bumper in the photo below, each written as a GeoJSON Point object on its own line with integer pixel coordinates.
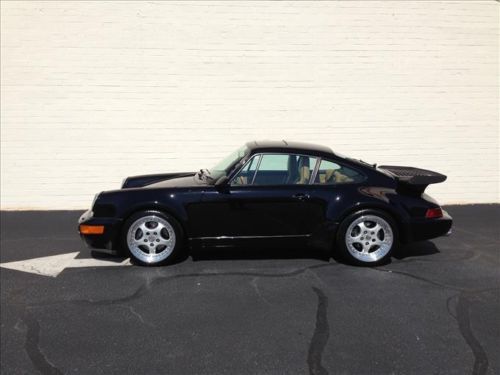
{"type": "Point", "coordinates": [425, 229]}
{"type": "Point", "coordinates": [108, 241]}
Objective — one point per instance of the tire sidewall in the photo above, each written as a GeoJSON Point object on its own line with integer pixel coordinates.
{"type": "Point", "coordinates": [342, 247]}
{"type": "Point", "coordinates": [177, 229]}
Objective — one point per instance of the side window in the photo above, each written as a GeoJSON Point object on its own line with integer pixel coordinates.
{"type": "Point", "coordinates": [330, 173]}
{"type": "Point", "coordinates": [247, 173]}
{"type": "Point", "coordinates": [276, 169]}
{"type": "Point", "coordinates": [272, 170]}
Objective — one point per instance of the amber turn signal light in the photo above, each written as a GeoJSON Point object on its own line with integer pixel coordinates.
{"type": "Point", "coordinates": [91, 229]}
{"type": "Point", "coordinates": [434, 213]}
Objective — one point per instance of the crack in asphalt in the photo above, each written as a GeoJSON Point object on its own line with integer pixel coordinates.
{"type": "Point", "coordinates": [145, 288]}
{"type": "Point", "coordinates": [32, 347]}
{"type": "Point", "coordinates": [469, 255]}
{"type": "Point", "coordinates": [317, 345]}
{"type": "Point", "coordinates": [423, 279]}
{"type": "Point", "coordinates": [320, 336]}
{"type": "Point", "coordinates": [462, 316]}
{"type": "Point", "coordinates": [255, 286]}
{"type": "Point", "coordinates": [137, 315]}
{"type": "Point", "coordinates": [321, 333]}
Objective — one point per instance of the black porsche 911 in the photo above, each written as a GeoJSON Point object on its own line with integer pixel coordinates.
{"type": "Point", "coordinates": [273, 193]}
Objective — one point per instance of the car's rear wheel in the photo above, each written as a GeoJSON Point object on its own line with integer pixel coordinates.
{"type": "Point", "coordinates": [367, 237]}
{"type": "Point", "coordinates": [152, 237]}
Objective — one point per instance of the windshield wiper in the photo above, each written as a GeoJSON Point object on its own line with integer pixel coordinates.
{"type": "Point", "coordinates": [204, 173]}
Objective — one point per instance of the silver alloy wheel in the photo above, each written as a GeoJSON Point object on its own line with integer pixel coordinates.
{"type": "Point", "coordinates": [369, 238]}
{"type": "Point", "coordinates": [151, 239]}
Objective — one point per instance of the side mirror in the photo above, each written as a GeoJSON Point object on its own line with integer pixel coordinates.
{"type": "Point", "coordinates": [222, 181]}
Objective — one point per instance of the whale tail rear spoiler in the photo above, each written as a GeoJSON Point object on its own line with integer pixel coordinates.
{"type": "Point", "coordinates": [413, 180]}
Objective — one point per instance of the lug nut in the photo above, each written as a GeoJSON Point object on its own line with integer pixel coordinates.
{"type": "Point", "coordinates": [151, 244]}
{"type": "Point", "coordinates": [159, 240]}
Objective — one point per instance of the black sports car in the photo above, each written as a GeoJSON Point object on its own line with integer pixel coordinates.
{"type": "Point", "coordinates": [269, 191]}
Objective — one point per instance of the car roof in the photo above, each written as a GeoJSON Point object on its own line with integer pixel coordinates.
{"type": "Point", "coordinates": [287, 146]}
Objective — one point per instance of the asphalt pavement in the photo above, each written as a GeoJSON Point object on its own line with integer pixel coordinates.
{"type": "Point", "coordinates": [434, 309]}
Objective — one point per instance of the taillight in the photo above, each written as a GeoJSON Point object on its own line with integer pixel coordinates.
{"type": "Point", "coordinates": [434, 213]}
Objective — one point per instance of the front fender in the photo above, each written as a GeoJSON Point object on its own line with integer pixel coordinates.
{"type": "Point", "coordinates": [169, 206]}
{"type": "Point", "coordinates": [127, 202]}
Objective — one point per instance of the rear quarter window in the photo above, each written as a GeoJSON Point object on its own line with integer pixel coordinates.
{"type": "Point", "coordinates": [333, 173]}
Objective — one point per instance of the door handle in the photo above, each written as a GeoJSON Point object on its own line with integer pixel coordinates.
{"type": "Point", "coordinates": [301, 196]}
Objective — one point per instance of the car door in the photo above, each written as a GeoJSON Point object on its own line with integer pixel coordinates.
{"type": "Point", "coordinates": [269, 197]}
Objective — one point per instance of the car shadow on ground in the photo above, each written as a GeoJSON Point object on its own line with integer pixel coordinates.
{"type": "Point", "coordinates": [247, 253]}
{"type": "Point", "coordinates": [417, 249]}
{"type": "Point", "coordinates": [107, 257]}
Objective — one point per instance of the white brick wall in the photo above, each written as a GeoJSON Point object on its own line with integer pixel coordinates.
{"type": "Point", "coordinates": [94, 91]}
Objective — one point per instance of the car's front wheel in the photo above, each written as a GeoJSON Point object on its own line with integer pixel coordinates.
{"type": "Point", "coordinates": [152, 237]}
{"type": "Point", "coordinates": [367, 237]}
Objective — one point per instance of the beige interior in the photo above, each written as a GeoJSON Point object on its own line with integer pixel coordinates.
{"type": "Point", "coordinates": [304, 175]}
{"type": "Point", "coordinates": [331, 176]}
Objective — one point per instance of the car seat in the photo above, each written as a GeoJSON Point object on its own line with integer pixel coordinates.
{"type": "Point", "coordinates": [304, 170]}
{"type": "Point", "coordinates": [293, 171]}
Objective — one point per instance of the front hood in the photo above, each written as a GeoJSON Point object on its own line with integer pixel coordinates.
{"type": "Point", "coordinates": [148, 179]}
{"type": "Point", "coordinates": [189, 181]}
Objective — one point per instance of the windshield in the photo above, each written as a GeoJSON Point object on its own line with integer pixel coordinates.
{"type": "Point", "coordinates": [223, 167]}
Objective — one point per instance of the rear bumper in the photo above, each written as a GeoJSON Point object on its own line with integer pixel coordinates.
{"type": "Point", "coordinates": [425, 229]}
{"type": "Point", "coordinates": [108, 241]}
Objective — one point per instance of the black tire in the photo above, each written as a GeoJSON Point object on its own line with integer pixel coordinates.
{"type": "Point", "coordinates": [141, 253]}
{"type": "Point", "coordinates": [371, 248]}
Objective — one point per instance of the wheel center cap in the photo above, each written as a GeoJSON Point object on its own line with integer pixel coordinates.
{"type": "Point", "coordinates": [151, 238]}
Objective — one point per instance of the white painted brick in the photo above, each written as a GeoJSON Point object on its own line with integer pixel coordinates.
{"type": "Point", "coordinates": [95, 91]}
